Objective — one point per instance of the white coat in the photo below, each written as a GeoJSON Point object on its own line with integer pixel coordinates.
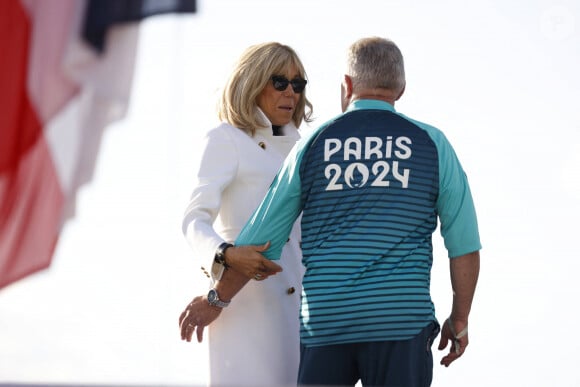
{"type": "Point", "coordinates": [255, 340]}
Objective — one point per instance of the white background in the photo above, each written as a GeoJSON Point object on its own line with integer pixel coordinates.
{"type": "Point", "coordinates": [499, 78]}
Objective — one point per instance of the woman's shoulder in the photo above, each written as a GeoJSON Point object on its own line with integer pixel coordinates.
{"type": "Point", "coordinates": [225, 129]}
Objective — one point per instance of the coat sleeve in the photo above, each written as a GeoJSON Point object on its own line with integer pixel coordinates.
{"type": "Point", "coordinates": [216, 169]}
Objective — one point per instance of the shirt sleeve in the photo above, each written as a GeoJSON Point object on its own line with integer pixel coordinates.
{"type": "Point", "coordinates": [273, 219]}
{"type": "Point", "coordinates": [455, 206]}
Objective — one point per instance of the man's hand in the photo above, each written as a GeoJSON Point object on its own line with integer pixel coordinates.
{"type": "Point", "coordinates": [458, 341]}
{"type": "Point", "coordinates": [197, 315]}
{"type": "Point", "coordinates": [249, 261]}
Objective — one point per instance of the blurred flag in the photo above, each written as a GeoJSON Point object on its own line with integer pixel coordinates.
{"type": "Point", "coordinates": [66, 70]}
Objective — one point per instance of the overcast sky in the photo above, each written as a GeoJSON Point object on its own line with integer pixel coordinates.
{"type": "Point", "coordinates": [499, 78]}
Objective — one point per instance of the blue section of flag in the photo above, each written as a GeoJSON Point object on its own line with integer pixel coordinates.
{"type": "Point", "coordinates": [102, 14]}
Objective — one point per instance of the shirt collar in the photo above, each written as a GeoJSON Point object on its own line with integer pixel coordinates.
{"type": "Point", "coordinates": [361, 104]}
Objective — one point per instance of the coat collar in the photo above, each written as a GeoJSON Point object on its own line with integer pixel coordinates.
{"type": "Point", "coordinates": [288, 130]}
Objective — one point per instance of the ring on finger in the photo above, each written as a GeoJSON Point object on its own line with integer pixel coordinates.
{"type": "Point", "coordinates": [258, 276]}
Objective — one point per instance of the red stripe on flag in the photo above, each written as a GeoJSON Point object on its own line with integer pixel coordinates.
{"type": "Point", "coordinates": [31, 200]}
{"type": "Point", "coordinates": [56, 98]}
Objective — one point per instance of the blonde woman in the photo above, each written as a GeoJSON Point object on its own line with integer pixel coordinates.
{"type": "Point", "coordinates": [256, 339]}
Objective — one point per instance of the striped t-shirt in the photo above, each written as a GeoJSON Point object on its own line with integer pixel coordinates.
{"type": "Point", "coordinates": [371, 185]}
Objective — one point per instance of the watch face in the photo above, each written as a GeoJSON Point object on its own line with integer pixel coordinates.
{"type": "Point", "coordinates": [212, 296]}
{"type": "Point", "coordinates": [214, 299]}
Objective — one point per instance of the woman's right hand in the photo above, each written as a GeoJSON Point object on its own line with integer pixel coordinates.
{"type": "Point", "coordinates": [195, 317]}
{"type": "Point", "coordinates": [249, 261]}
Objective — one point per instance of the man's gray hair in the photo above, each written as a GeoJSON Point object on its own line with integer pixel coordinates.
{"type": "Point", "coordinates": [376, 63]}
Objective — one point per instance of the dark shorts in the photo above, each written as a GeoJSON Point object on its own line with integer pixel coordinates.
{"type": "Point", "coordinates": [407, 363]}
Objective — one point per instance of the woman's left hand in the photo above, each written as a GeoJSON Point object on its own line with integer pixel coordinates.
{"type": "Point", "coordinates": [249, 261]}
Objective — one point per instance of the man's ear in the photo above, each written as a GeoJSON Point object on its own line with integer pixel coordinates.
{"type": "Point", "coordinates": [345, 92]}
{"type": "Point", "coordinates": [347, 84]}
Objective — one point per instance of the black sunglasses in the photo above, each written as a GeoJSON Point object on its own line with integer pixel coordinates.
{"type": "Point", "coordinates": [281, 83]}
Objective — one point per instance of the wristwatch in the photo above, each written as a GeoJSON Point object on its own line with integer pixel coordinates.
{"type": "Point", "coordinates": [220, 254]}
{"type": "Point", "coordinates": [214, 299]}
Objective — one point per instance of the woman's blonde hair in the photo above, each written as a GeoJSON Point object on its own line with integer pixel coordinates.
{"type": "Point", "coordinates": [252, 72]}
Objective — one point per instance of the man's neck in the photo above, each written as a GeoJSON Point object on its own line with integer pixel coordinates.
{"type": "Point", "coordinates": [379, 94]}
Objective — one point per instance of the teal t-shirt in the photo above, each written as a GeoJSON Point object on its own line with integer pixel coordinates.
{"type": "Point", "coordinates": [371, 185]}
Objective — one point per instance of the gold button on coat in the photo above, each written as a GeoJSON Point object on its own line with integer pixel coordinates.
{"type": "Point", "coordinates": [290, 290]}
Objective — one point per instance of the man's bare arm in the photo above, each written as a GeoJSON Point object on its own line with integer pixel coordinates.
{"type": "Point", "coordinates": [464, 271]}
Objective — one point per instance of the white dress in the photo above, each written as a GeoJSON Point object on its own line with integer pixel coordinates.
{"type": "Point", "coordinates": [255, 340]}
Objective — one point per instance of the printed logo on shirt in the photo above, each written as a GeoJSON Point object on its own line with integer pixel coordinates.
{"type": "Point", "coordinates": [344, 162]}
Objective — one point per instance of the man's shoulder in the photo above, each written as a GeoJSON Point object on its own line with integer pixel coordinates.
{"type": "Point", "coordinates": [422, 124]}
{"type": "Point", "coordinates": [436, 134]}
